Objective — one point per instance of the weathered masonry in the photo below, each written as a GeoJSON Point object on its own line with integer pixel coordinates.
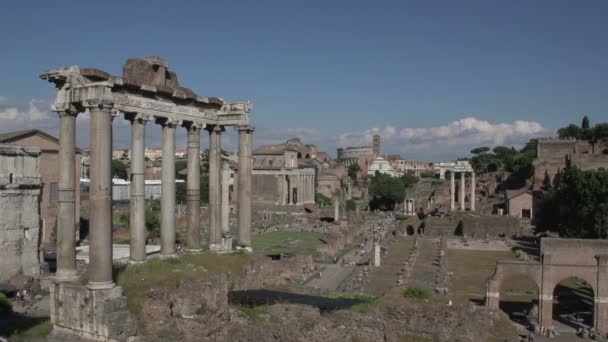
{"type": "Point", "coordinates": [561, 259]}
{"type": "Point", "coordinates": [146, 92]}
{"type": "Point", "coordinates": [463, 167]}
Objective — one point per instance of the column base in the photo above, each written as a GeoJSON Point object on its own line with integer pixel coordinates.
{"type": "Point", "coordinates": [167, 256]}
{"type": "Point", "coordinates": [101, 285]}
{"type": "Point", "coordinates": [66, 276]}
{"type": "Point", "coordinates": [193, 251]}
{"type": "Point", "coordinates": [135, 262]}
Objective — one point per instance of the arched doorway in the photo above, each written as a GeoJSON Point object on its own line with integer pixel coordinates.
{"type": "Point", "coordinates": [519, 299]}
{"type": "Point", "coordinates": [573, 301]}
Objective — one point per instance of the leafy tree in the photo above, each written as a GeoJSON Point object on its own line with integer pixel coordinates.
{"type": "Point", "coordinates": [180, 165]}
{"type": "Point", "coordinates": [427, 174]}
{"type": "Point", "coordinates": [385, 191]}
{"type": "Point", "coordinates": [180, 192]}
{"type": "Point", "coordinates": [409, 180]}
{"type": "Point", "coordinates": [322, 200]}
{"type": "Point", "coordinates": [119, 169]}
{"type": "Point", "coordinates": [353, 169]}
{"type": "Point", "coordinates": [578, 209]}
{"type": "Point", "coordinates": [351, 205]}
{"type": "Point", "coordinates": [570, 131]}
{"type": "Point", "coordinates": [600, 132]}
{"type": "Point", "coordinates": [585, 123]}
{"type": "Point", "coordinates": [480, 150]}
{"type": "Point", "coordinates": [153, 219]}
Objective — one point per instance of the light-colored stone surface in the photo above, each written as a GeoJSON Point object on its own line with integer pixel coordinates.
{"type": "Point", "coordinates": [19, 207]}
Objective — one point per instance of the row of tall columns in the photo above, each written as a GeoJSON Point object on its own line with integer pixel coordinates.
{"type": "Point", "coordinates": [100, 224]}
{"type": "Point", "coordinates": [462, 191]}
{"type": "Point", "coordinates": [304, 186]}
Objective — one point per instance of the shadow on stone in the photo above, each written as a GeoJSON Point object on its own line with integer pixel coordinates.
{"type": "Point", "coordinates": [253, 298]}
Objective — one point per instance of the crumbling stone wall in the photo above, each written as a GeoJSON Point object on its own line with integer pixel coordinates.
{"type": "Point", "coordinates": [20, 211]}
{"type": "Point", "coordinates": [482, 226]}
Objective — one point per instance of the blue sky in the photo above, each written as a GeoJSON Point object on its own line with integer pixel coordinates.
{"type": "Point", "coordinates": [434, 77]}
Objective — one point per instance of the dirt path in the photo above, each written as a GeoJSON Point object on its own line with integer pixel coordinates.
{"type": "Point", "coordinates": [426, 268]}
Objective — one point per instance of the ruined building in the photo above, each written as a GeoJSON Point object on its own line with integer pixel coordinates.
{"type": "Point", "coordinates": [555, 155]}
{"type": "Point", "coordinates": [20, 187]}
{"type": "Point", "coordinates": [49, 171]}
{"type": "Point", "coordinates": [284, 174]}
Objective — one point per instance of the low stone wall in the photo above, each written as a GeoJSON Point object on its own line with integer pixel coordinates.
{"type": "Point", "coordinates": [482, 226]}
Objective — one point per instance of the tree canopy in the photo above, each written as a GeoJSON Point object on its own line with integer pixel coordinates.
{"type": "Point", "coordinates": [578, 208]}
{"type": "Point", "coordinates": [387, 191]}
{"type": "Point", "coordinates": [599, 132]}
{"type": "Point", "coordinates": [119, 169]}
{"type": "Point", "coordinates": [353, 169]}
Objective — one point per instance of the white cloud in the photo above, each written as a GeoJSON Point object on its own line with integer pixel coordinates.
{"type": "Point", "coordinates": [365, 138]}
{"type": "Point", "coordinates": [31, 113]}
{"type": "Point", "coordinates": [447, 141]}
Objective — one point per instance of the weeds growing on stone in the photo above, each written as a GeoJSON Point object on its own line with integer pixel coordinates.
{"type": "Point", "coordinates": [417, 292]}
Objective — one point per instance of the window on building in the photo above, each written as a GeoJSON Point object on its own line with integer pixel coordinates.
{"type": "Point", "coordinates": [54, 192]}
{"type": "Point", "coordinates": [526, 213]}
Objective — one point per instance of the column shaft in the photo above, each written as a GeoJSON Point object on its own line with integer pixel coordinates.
{"type": "Point", "coordinates": [137, 219]}
{"type": "Point", "coordinates": [215, 237]}
{"type": "Point", "coordinates": [225, 198]}
{"type": "Point", "coordinates": [100, 224]}
{"type": "Point", "coordinates": [167, 191]}
{"type": "Point", "coordinates": [66, 223]}
{"type": "Point", "coordinates": [193, 189]}
{"type": "Point", "coordinates": [452, 191]}
{"type": "Point", "coordinates": [472, 191]}
{"type": "Point", "coordinates": [462, 190]}
{"type": "Point", "coordinates": [244, 180]}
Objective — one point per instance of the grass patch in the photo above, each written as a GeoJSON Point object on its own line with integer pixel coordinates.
{"type": "Point", "coordinates": [168, 273]}
{"type": "Point", "coordinates": [364, 301]}
{"type": "Point", "coordinates": [37, 332]}
{"type": "Point", "coordinates": [471, 270]}
{"type": "Point", "coordinates": [253, 313]}
{"type": "Point", "coordinates": [284, 242]}
{"type": "Point", "coordinates": [417, 292]}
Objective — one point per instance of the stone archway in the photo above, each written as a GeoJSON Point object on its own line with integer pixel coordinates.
{"type": "Point", "coordinates": [519, 298]}
{"type": "Point", "coordinates": [573, 304]}
{"type": "Point", "coordinates": [561, 259]}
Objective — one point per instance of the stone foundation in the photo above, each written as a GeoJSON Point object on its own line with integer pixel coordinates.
{"type": "Point", "coordinates": [95, 315]}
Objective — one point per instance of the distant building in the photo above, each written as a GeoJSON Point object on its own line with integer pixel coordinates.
{"type": "Point", "coordinates": [49, 172]}
{"type": "Point", "coordinates": [153, 154]}
{"type": "Point", "coordinates": [362, 155]}
{"type": "Point", "coordinates": [403, 166]}
{"type": "Point", "coordinates": [519, 203]}
{"type": "Point", "coordinates": [284, 174]}
{"type": "Point", "coordinates": [554, 155]}
{"type": "Point", "coordinates": [381, 165]}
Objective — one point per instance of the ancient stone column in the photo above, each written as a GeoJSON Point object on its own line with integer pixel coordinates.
{"type": "Point", "coordinates": [452, 191]}
{"type": "Point", "coordinates": [100, 201]}
{"type": "Point", "coordinates": [244, 180]}
{"type": "Point", "coordinates": [215, 237]}
{"type": "Point", "coordinates": [66, 223]}
{"type": "Point", "coordinates": [336, 209]}
{"type": "Point", "coordinates": [193, 189]}
{"type": "Point", "coordinates": [137, 215]}
{"type": "Point", "coordinates": [472, 191]}
{"type": "Point", "coordinates": [462, 190]}
{"type": "Point", "coordinates": [225, 197]}
{"type": "Point", "coordinates": [167, 190]}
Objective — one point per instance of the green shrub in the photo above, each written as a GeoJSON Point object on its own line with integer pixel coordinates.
{"type": "Point", "coordinates": [322, 200]}
{"type": "Point", "coordinates": [351, 205]}
{"type": "Point", "coordinates": [416, 292]}
{"type": "Point", "coordinates": [5, 305]}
